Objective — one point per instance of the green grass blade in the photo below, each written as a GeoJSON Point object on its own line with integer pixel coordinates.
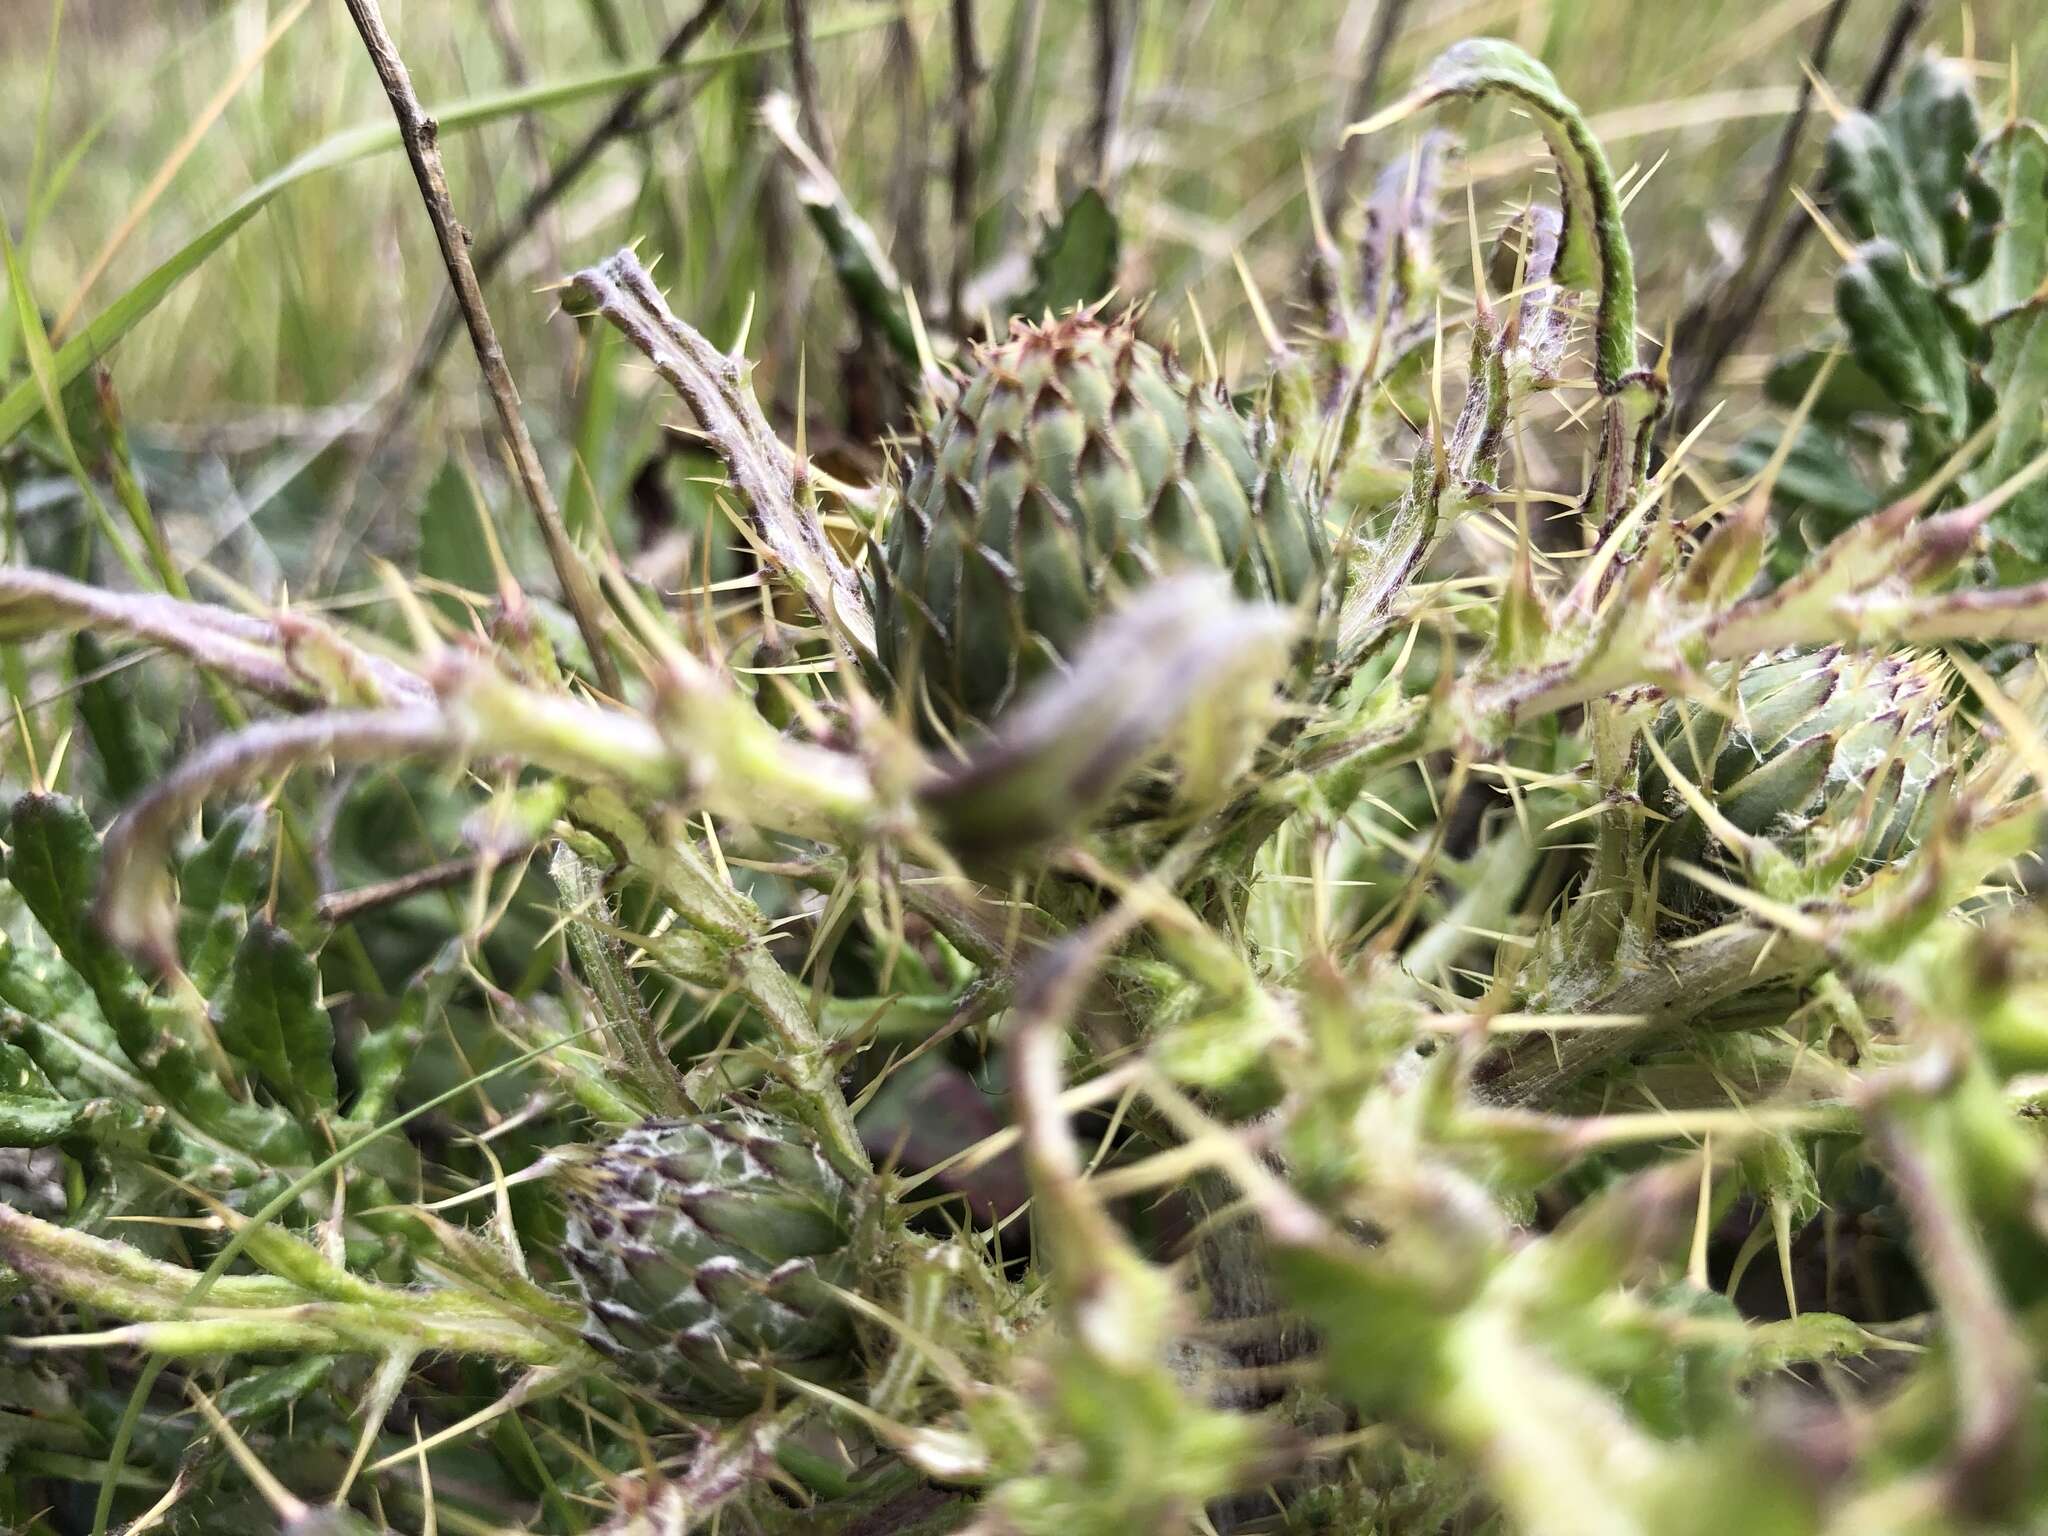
{"type": "Point", "coordinates": [42, 134]}
{"type": "Point", "coordinates": [45, 388]}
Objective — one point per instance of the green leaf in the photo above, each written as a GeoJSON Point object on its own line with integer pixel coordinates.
{"type": "Point", "coordinates": [26, 1121]}
{"type": "Point", "coordinates": [1909, 339]}
{"type": "Point", "coordinates": [2014, 161]}
{"type": "Point", "coordinates": [259, 1395]}
{"type": "Point", "coordinates": [863, 268]}
{"type": "Point", "coordinates": [26, 402]}
{"type": "Point", "coordinates": [452, 544]}
{"type": "Point", "coordinates": [1875, 198]}
{"type": "Point", "coordinates": [1849, 390]}
{"type": "Point", "coordinates": [1906, 175]}
{"type": "Point", "coordinates": [108, 709]}
{"type": "Point", "coordinates": [31, 1113]}
{"type": "Point", "coordinates": [1818, 473]}
{"type": "Point", "coordinates": [34, 1114]}
{"type": "Point", "coordinates": [54, 862]}
{"type": "Point", "coordinates": [33, 1122]}
{"type": "Point", "coordinates": [218, 885]}
{"type": "Point", "coordinates": [2018, 374]}
{"type": "Point", "coordinates": [20, 1077]}
{"type": "Point", "coordinates": [271, 1016]}
{"type": "Point", "coordinates": [383, 1055]}
{"type": "Point", "coordinates": [1076, 262]}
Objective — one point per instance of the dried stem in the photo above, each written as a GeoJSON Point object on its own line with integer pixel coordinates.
{"type": "Point", "coordinates": [803, 70]}
{"type": "Point", "coordinates": [338, 907]}
{"type": "Point", "coordinates": [1114, 46]}
{"type": "Point", "coordinates": [421, 135]}
{"type": "Point", "coordinates": [760, 465]}
{"type": "Point", "coordinates": [1365, 89]}
{"type": "Point", "coordinates": [907, 187]}
{"type": "Point", "coordinates": [512, 49]}
{"type": "Point", "coordinates": [969, 76]}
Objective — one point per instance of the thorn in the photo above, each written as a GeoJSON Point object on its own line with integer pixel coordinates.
{"type": "Point", "coordinates": [1389, 115]}
{"type": "Point", "coordinates": [801, 448]}
{"type": "Point", "coordinates": [1833, 236]}
{"type": "Point", "coordinates": [1202, 335]}
{"type": "Point", "coordinates": [1479, 298]}
{"type": "Point", "coordinates": [429, 1526]}
{"type": "Point", "coordinates": [1264, 319]}
{"type": "Point", "coordinates": [746, 326]}
{"type": "Point", "coordinates": [1829, 101]}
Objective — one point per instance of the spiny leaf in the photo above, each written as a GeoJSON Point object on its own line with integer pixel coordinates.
{"type": "Point", "coordinates": [1907, 175]}
{"type": "Point", "coordinates": [54, 862]}
{"type": "Point", "coordinates": [1076, 262]}
{"type": "Point", "coordinates": [218, 885]}
{"type": "Point", "coordinates": [2014, 161]}
{"type": "Point", "coordinates": [109, 710]}
{"type": "Point", "coordinates": [1910, 339]}
{"type": "Point", "coordinates": [271, 1016]}
{"type": "Point", "coordinates": [384, 1055]}
{"type": "Point", "coordinates": [2018, 373]}
{"type": "Point", "coordinates": [452, 546]}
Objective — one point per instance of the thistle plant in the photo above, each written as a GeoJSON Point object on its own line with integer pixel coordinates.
{"type": "Point", "coordinates": [1424, 964]}
{"type": "Point", "coordinates": [1935, 360]}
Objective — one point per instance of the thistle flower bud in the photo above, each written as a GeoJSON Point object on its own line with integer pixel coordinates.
{"type": "Point", "coordinates": [1827, 757]}
{"type": "Point", "coordinates": [707, 1251]}
{"type": "Point", "coordinates": [1077, 463]}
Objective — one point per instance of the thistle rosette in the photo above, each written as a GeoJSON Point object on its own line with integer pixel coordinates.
{"type": "Point", "coordinates": [1821, 758]}
{"type": "Point", "coordinates": [1078, 463]}
{"type": "Point", "coordinates": [708, 1252]}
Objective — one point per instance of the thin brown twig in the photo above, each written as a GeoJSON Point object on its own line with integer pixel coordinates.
{"type": "Point", "coordinates": [1715, 317]}
{"type": "Point", "coordinates": [908, 240]}
{"type": "Point", "coordinates": [421, 135]}
{"type": "Point", "coordinates": [803, 71]}
{"type": "Point", "coordinates": [969, 76]}
{"type": "Point", "coordinates": [512, 49]}
{"type": "Point", "coordinates": [337, 907]}
{"type": "Point", "coordinates": [623, 118]}
{"type": "Point", "coordinates": [1114, 46]}
{"type": "Point", "coordinates": [609, 27]}
{"type": "Point", "coordinates": [1358, 104]}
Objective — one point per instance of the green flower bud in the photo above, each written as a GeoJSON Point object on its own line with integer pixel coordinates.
{"type": "Point", "coordinates": [708, 1252]}
{"type": "Point", "coordinates": [1078, 463]}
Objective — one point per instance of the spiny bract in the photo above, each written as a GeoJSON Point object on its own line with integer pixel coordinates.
{"type": "Point", "coordinates": [707, 1250]}
{"type": "Point", "coordinates": [1078, 462]}
{"type": "Point", "coordinates": [1828, 753]}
